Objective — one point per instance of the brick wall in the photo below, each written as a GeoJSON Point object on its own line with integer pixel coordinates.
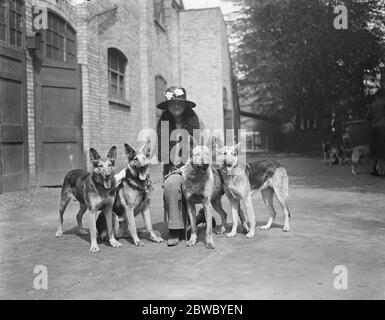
{"type": "Point", "coordinates": [204, 62]}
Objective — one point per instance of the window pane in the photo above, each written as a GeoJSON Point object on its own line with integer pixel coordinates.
{"type": "Point", "coordinates": [50, 21]}
{"type": "Point", "coordinates": [12, 19]}
{"type": "Point", "coordinates": [60, 55]}
{"type": "Point", "coordinates": [59, 25]}
{"type": "Point", "coordinates": [13, 37]}
{"type": "Point", "coordinates": [54, 24]}
{"type": "Point", "coordinates": [113, 62]}
{"type": "Point", "coordinates": [2, 13]}
{"type": "Point", "coordinates": [49, 52]}
{"type": "Point", "coordinates": [2, 33]}
{"type": "Point", "coordinates": [18, 40]}
{"type": "Point", "coordinates": [114, 84]}
{"type": "Point", "coordinates": [70, 47]}
{"type": "Point", "coordinates": [49, 37]}
{"type": "Point", "coordinates": [19, 21]}
{"type": "Point", "coordinates": [61, 42]}
{"type": "Point", "coordinates": [121, 87]}
{"type": "Point", "coordinates": [122, 65]}
{"type": "Point", "coordinates": [54, 42]}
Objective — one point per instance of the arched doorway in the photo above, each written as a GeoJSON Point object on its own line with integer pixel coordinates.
{"type": "Point", "coordinates": [58, 107]}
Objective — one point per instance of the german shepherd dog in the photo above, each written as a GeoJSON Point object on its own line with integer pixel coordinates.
{"type": "Point", "coordinates": [95, 191]}
{"type": "Point", "coordinates": [359, 153]}
{"type": "Point", "coordinates": [133, 196]}
{"type": "Point", "coordinates": [333, 154]}
{"type": "Point", "coordinates": [242, 180]}
{"type": "Point", "coordinates": [362, 152]}
{"type": "Point", "coordinates": [201, 184]}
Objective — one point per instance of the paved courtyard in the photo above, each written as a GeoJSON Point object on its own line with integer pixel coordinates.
{"type": "Point", "coordinates": [337, 219]}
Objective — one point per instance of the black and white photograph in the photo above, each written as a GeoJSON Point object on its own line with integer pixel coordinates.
{"type": "Point", "coordinates": [209, 152]}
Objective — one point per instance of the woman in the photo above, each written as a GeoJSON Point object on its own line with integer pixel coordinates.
{"type": "Point", "coordinates": [178, 114]}
{"type": "Point", "coordinates": [376, 116]}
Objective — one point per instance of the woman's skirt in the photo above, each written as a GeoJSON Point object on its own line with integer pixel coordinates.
{"type": "Point", "coordinates": [377, 146]}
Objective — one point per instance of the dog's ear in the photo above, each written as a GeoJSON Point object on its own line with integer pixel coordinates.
{"type": "Point", "coordinates": [112, 155]}
{"type": "Point", "coordinates": [130, 152]}
{"type": "Point", "coordinates": [94, 156]}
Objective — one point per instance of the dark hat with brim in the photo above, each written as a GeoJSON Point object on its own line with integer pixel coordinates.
{"type": "Point", "coordinates": [175, 94]}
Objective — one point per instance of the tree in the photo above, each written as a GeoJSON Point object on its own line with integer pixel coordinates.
{"type": "Point", "coordinates": [293, 63]}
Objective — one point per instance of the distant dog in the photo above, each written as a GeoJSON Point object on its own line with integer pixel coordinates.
{"type": "Point", "coordinates": [133, 196]}
{"type": "Point", "coordinates": [242, 180]}
{"type": "Point", "coordinates": [333, 154]}
{"type": "Point", "coordinates": [358, 153]}
{"type": "Point", "coordinates": [95, 191]}
{"type": "Point", "coordinates": [363, 152]}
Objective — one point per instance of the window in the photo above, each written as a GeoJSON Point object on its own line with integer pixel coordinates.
{"type": "Point", "coordinates": [12, 22]}
{"type": "Point", "coordinates": [117, 63]}
{"type": "Point", "coordinates": [160, 89]}
{"type": "Point", "coordinates": [60, 40]}
{"type": "Point", "coordinates": [159, 12]}
{"type": "Point", "coordinates": [225, 99]}
{"type": "Point", "coordinates": [3, 21]}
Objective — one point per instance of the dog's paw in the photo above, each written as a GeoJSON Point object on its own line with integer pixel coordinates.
{"type": "Point", "coordinates": [250, 235]}
{"type": "Point", "coordinates": [115, 244]}
{"type": "Point", "coordinates": [191, 243]}
{"type": "Point", "coordinates": [94, 248]}
{"type": "Point", "coordinates": [83, 232]}
{"type": "Point", "coordinates": [246, 228]}
{"type": "Point", "coordinates": [265, 227]}
{"type": "Point", "coordinates": [221, 230]}
{"type": "Point", "coordinates": [59, 234]}
{"type": "Point", "coordinates": [286, 228]}
{"type": "Point", "coordinates": [156, 239]}
{"type": "Point", "coordinates": [139, 243]}
{"type": "Point", "coordinates": [231, 234]}
{"type": "Point", "coordinates": [210, 245]}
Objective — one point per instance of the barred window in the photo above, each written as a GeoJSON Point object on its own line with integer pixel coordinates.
{"type": "Point", "coordinates": [117, 63]}
{"type": "Point", "coordinates": [12, 22]}
{"type": "Point", "coordinates": [60, 40]}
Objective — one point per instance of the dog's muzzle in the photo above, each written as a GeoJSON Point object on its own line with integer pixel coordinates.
{"type": "Point", "coordinates": [107, 182]}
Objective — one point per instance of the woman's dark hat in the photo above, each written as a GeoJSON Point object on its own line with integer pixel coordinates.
{"type": "Point", "coordinates": [175, 94]}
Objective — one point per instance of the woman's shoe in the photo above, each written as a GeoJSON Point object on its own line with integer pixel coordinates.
{"type": "Point", "coordinates": [173, 238]}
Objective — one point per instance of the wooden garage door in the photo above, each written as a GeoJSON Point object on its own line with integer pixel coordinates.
{"type": "Point", "coordinates": [58, 105]}
{"type": "Point", "coordinates": [13, 109]}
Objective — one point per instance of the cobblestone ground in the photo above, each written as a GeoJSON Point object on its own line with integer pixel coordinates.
{"type": "Point", "coordinates": [337, 219]}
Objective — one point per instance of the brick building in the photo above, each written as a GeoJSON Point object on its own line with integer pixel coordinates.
{"type": "Point", "coordinates": [93, 76]}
